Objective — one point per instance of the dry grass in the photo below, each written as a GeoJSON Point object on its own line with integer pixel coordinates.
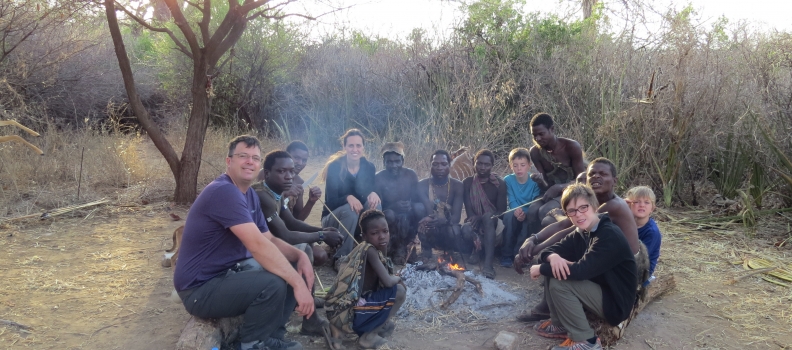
{"type": "Point", "coordinates": [707, 259]}
{"type": "Point", "coordinates": [123, 167]}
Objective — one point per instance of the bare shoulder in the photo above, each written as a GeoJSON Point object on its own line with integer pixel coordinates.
{"type": "Point", "coordinates": [616, 206]}
{"type": "Point", "coordinates": [534, 151]}
{"type": "Point", "coordinates": [570, 144]}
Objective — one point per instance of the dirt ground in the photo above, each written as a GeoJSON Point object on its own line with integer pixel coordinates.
{"type": "Point", "coordinates": [92, 279]}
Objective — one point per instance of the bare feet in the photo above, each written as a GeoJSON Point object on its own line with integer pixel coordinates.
{"type": "Point", "coordinates": [371, 340]}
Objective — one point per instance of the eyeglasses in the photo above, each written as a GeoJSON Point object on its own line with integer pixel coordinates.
{"type": "Point", "coordinates": [581, 209]}
{"type": "Point", "coordinates": [245, 157]}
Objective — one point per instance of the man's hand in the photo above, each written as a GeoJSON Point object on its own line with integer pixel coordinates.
{"type": "Point", "coordinates": [305, 302]}
{"type": "Point", "coordinates": [535, 272]}
{"type": "Point", "coordinates": [296, 191]}
{"type": "Point", "coordinates": [539, 179]}
{"type": "Point", "coordinates": [519, 214]}
{"type": "Point", "coordinates": [354, 204]}
{"type": "Point", "coordinates": [332, 237]}
{"type": "Point", "coordinates": [474, 221]}
{"type": "Point", "coordinates": [518, 264]}
{"type": "Point", "coordinates": [559, 265]}
{"type": "Point", "coordinates": [314, 194]}
{"type": "Point", "coordinates": [526, 250]}
{"type": "Point", "coordinates": [552, 192]}
{"type": "Point", "coordinates": [438, 222]}
{"type": "Point", "coordinates": [373, 200]}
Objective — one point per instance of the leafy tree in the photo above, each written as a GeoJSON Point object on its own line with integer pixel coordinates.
{"type": "Point", "coordinates": [205, 42]}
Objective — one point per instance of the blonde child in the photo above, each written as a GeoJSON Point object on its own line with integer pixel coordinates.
{"type": "Point", "coordinates": [641, 200]}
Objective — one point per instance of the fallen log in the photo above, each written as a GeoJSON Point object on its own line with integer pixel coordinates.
{"type": "Point", "coordinates": [201, 333]}
{"type": "Point", "coordinates": [610, 334]}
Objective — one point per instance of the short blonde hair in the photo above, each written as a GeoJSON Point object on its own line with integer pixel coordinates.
{"type": "Point", "coordinates": [641, 192]}
{"type": "Point", "coordinates": [578, 190]}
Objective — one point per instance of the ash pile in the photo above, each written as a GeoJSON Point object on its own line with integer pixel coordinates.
{"type": "Point", "coordinates": [429, 290]}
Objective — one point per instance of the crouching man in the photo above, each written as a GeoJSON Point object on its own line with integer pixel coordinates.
{"type": "Point", "coordinates": [591, 268]}
{"type": "Point", "coordinates": [214, 274]}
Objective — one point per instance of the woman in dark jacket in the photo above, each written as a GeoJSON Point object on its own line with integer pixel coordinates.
{"type": "Point", "coordinates": [349, 188]}
{"type": "Point", "coordinates": [592, 268]}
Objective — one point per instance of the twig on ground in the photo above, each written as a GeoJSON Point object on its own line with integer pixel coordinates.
{"type": "Point", "coordinates": [15, 324]}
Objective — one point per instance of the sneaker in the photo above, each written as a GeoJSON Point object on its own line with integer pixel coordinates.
{"type": "Point", "coordinates": [548, 330]}
{"type": "Point", "coordinates": [506, 262]}
{"type": "Point", "coordinates": [569, 344]}
{"type": "Point", "coordinates": [281, 344]}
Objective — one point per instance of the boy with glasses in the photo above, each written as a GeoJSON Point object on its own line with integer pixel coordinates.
{"type": "Point", "coordinates": [592, 268]}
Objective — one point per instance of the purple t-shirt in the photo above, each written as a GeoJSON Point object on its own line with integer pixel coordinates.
{"type": "Point", "coordinates": [209, 248]}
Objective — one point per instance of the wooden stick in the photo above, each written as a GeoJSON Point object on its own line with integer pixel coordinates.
{"type": "Point", "coordinates": [339, 221]}
{"type": "Point", "coordinates": [319, 279]}
{"type": "Point", "coordinates": [409, 252]}
{"type": "Point", "coordinates": [460, 285]}
{"type": "Point", "coordinates": [753, 272]}
{"type": "Point", "coordinates": [515, 208]}
{"type": "Point", "coordinates": [14, 324]}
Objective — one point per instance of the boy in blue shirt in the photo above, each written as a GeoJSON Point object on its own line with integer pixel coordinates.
{"type": "Point", "coordinates": [520, 189]}
{"type": "Point", "coordinates": [641, 200]}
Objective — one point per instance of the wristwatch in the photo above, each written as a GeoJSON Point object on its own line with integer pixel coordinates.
{"type": "Point", "coordinates": [321, 236]}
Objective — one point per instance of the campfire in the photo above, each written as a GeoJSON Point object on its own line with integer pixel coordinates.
{"type": "Point", "coordinates": [446, 266]}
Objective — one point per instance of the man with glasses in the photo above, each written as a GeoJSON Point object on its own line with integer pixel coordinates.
{"type": "Point", "coordinates": [602, 178]}
{"type": "Point", "coordinates": [215, 275]}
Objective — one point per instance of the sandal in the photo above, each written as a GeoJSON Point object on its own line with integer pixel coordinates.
{"type": "Point", "coordinates": [488, 272]}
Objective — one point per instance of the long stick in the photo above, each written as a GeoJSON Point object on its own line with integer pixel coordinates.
{"type": "Point", "coordinates": [513, 209]}
{"type": "Point", "coordinates": [339, 221]}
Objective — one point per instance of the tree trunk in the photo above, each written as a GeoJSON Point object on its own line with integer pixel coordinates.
{"type": "Point", "coordinates": [187, 179]}
{"type": "Point", "coordinates": [156, 135]}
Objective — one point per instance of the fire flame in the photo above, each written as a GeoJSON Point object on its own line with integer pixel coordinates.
{"type": "Point", "coordinates": [451, 266]}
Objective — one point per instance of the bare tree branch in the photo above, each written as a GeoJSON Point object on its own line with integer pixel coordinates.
{"type": "Point", "coordinates": [228, 42]}
{"type": "Point", "coordinates": [148, 26]}
{"type": "Point", "coordinates": [184, 26]}
{"type": "Point", "coordinates": [230, 19]}
{"type": "Point", "coordinates": [204, 23]}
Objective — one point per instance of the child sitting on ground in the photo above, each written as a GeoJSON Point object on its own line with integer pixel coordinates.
{"type": "Point", "coordinates": [520, 189]}
{"type": "Point", "coordinates": [641, 200]}
{"type": "Point", "coordinates": [366, 294]}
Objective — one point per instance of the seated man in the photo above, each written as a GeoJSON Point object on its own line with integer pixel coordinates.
{"type": "Point", "coordinates": [366, 295]}
{"type": "Point", "coordinates": [557, 160]}
{"type": "Point", "coordinates": [485, 195]}
{"type": "Point", "coordinates": [300, 210]}
{"type": "Point", "coordinates": [602, 178]}
{"type": "Point", "coordinates": [521, 189]}
{"type": "Point", "coordinates": [441, 195]}
{"type": "Point", "coordinates": [225, 226]}
{"type": "Point", "coordinates": [641, 200]}
{"type": "Point", "coordinates": [278, 176]}
{"type": "Point", "coordinates": [396, 187]}
{"type": "Point", "coordinates": [591, 268]}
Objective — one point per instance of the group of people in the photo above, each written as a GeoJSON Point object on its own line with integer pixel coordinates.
{"type": "Point", "coordinates": [246, 249]}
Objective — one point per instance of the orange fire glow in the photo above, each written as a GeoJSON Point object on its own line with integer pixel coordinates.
{"type": "Point", "coordinates": [451, 266]}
